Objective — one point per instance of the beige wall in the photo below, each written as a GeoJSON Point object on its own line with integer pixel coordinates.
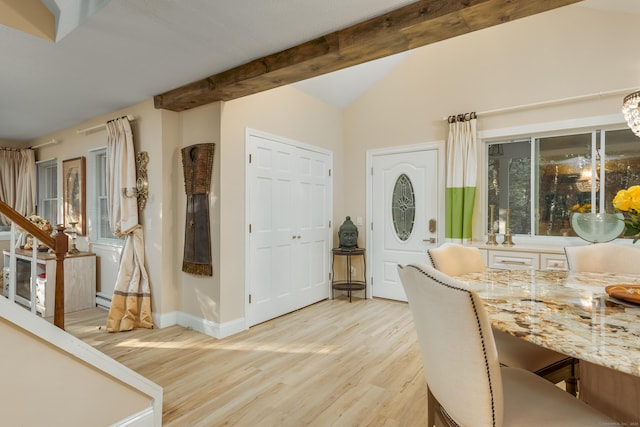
{"type": "Point", "coordinates": [567, 53]}
{"type": "Point", "coordinates": [199, 295]}
{"type": "Point", "coordinates": [285, 112]}
{"type": "Point", "coordinates": [60, 390]}
{"type": "Point", "coordinates": [148, 136]}
{"type": "Point", "coordinates": [172, 182]}
{"type": "Point", "coordinates": [570, 52]}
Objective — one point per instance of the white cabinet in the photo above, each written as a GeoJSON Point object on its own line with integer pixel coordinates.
{"type": "Point", "coordinates": [513, 260]}
{"type": "Point", "coordinates": [553, 261]}
{"type": "Point", "coordinates": [79, 279]}
{"type": "Point", "coordinates": [522, 257]}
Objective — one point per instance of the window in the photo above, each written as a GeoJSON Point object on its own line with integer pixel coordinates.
{"type": "Point", "coordinates": [403, 209]}
{"type": "Point", "coordinates": [47, 206]}
{"type": "Point", "coordinates": [541, 180]}
{"type": "Point", "coordinates": [103, 230]}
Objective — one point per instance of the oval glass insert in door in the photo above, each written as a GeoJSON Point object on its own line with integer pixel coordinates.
{"type": "Point", "coordinates": [403, 207]}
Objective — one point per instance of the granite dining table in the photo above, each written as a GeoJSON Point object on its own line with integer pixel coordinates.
{"type": "Point", "coordinates": [571, 313]}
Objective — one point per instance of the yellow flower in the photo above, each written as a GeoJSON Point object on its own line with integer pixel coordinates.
{"type": "Point", "coordinates": [628, 202]}
{"type": "Point", "coordinates": [581, 208]}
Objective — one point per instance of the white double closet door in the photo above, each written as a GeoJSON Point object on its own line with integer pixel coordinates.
{"type": "Point", "coordinates": [288, 195]}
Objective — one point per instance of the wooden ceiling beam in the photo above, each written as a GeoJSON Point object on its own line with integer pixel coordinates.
{"type": "Point", "coordinates": [417, 24]}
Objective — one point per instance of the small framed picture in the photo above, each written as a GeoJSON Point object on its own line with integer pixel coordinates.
{"type": "Point", "coordinates": [73, 191]}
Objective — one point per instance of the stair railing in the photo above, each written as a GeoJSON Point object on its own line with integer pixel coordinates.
{"type": "Point", "coordinates": [59, 244]}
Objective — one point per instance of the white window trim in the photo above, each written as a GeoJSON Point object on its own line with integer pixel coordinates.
{"type": "Point", "coordinates": [605, 122]}
{"type": "Point", "coordinates": [92, 238]}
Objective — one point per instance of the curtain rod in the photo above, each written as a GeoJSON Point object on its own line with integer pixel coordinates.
{"type": "Point", "coordinates": [102, 126]}
{"type": "Point", "coordinates": [53, 141]}
{"type": "Point", "coordinates": [553, 101]}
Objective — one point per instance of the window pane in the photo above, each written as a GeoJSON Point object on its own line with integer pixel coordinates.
{"type": "Point", "coordinates": [403, 209]}
{"type": "Point", "coordinates": [621, 164]}
{"type": "Point", "coordinates": [103, 230]}
{"type": "Point", "coordinates": [102, 174]}
{"type": "Point", "coordinates": [563, 183]}
{"type": "Point", "coordinates": [50, 210]}
{"type": "Point", "coordinates": [509, 185]}
{"type": "Point", "coordinates": [48, 190]}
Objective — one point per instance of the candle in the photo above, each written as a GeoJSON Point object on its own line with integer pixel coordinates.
{"type": "Point", "coordinates": [491, 208]}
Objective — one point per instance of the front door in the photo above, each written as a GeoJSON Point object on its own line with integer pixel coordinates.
{"type": "Point", "coordinates": [406, 209]}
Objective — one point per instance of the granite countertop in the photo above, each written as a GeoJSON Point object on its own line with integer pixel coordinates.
{"type": "Point", "coordinates": [567, 312]}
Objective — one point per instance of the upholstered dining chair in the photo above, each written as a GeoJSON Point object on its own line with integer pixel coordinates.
{"type": "Point", "coordinates": [604, 258]}
{"type": "Point", "coordinates": [610, 391]}
{"type": "Point", "coordinates": [466, 384]}
{"type": "Point", "coordinates": [455, 260]}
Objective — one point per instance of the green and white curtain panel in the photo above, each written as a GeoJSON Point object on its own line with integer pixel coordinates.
{"type": "Point", "coordinates": [462, 165]}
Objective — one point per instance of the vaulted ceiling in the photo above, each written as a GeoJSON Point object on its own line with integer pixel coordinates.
{"type": "Point", "coordinates": [109, 54]}
{"type": "Point", "coordinates": [411, 26]}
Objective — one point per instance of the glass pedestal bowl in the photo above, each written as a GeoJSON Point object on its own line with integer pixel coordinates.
{"type": "Point", "coordinates": [597, 227]}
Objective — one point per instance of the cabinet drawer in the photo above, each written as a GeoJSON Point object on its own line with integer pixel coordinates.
{"type": "Point", "coordinates": [553, 262]}
{"type": "Point", "coordinates": [513, 260]}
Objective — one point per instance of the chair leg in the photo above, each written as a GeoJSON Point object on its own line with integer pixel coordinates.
{"type": "Point", "coordinates": [564, 370]}
{"type": "Point", "coordinates": [571, 383]}
{"type": "Point", "coordinates": [432, 407]}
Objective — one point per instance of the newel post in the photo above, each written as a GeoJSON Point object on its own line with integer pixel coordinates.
{"type": "Point", "coordinates": [62, 246]}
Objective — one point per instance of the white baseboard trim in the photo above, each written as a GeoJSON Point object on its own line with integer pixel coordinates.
{"type": "Point", "coordinates": [204, 326]}
{"type": "Point", "coordinates": [213, 329]}
{"type": "Point", "coordinates": [165, 320]}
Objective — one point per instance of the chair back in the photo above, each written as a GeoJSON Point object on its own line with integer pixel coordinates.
{"type": "Point", "coordinates": [604, 258]}
{"type": "Point", "coordinates": [455, 259]}
{"type": "Point", "coordinates": [458, 350]}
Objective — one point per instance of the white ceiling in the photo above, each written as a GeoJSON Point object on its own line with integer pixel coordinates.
{"type": "Point", "coordinates": [111, 54]}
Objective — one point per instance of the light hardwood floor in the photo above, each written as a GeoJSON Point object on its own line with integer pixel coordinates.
{"type": "Point", "coordinates": [330, 364]}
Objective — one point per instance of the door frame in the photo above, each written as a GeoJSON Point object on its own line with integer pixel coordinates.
{"type": "Point", "coordinates": [249, 132]}
{"type": "Point", "coordinates": [440, 147]}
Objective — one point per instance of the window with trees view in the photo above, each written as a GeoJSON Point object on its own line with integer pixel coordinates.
{"type": "Point", "coordinates": [47, 207]}
{"type": "Point", "coordinates": [542, 180]}
{"type": "Point", "coordinates": [102, 228]}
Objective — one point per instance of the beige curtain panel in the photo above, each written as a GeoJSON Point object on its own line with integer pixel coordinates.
{"type": "Point", "coordinates": [131, 302]}
{"type": "Point", "coordinates": [18, 181]}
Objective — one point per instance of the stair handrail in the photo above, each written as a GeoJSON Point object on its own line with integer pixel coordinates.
{"type": "Point", "coordinates": [59, 244]}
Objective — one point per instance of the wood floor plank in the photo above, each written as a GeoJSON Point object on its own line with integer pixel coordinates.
{"type": "Point", "coordinates": [334, 363]}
